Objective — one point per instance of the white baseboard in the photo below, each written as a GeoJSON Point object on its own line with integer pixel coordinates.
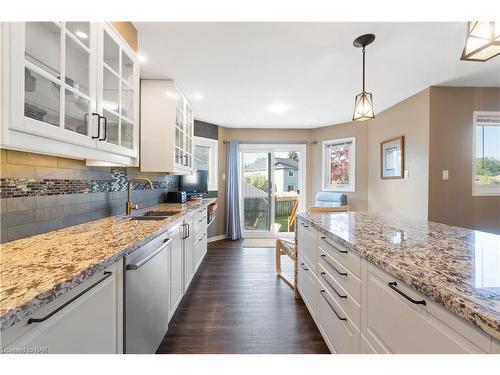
{"type": "Point", "coordinates": [216, 238]}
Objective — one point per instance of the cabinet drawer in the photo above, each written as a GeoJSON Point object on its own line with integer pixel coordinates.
{"type": "Point", "coordinates": [342, 275]}
{"type": "Point", "coordinates": [340, 334]}
{"type": "Point", "coordinates": [344, 299]}
{"type": "Point", "coordinates": [200, 222]}
{"type": "Point", "coordinates": [306, 243]}
{"type": "Point", "coordinates": [307, 285]}
{"type": "Point", "coordinates": [403, 326]}
{"type": "Point", "coordinates": [348, 258]}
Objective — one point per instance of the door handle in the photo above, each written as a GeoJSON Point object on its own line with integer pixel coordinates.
{"type": "Point", "coordinates": [39, 320]}
{"type": "Point", "coordinates": [98, 125]}
{"type": "Point", "coordinates": [393, 285]}
{"type": "Point", "coordinates": [105, 128]}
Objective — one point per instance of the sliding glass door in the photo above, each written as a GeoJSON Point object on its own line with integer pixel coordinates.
{"type": "Point", "coordinates": [272, 188]}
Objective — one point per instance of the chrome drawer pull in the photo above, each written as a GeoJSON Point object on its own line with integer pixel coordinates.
{"type": "Point", "coordinates": [304, 268]}
{"type": "Point", "coordinates": [393, 286]}
{"type": "Point", "coordinates": [333, 245]}
{"type": "Point", "coordinates": [331, 265]}
{"type": "Point", "coordinates": [329, 304]}
{"type": "Point", "coordinates": [39, 320]}
{"type": "Point", "coordinates": [331, 286]}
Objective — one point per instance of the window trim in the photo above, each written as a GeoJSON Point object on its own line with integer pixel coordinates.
{"type": "Point", "coordinates": [213, 174]}
{"type": "Point", "coordinates": [351, 188]}
{"type": "Point", "coordinates": [475, 191]}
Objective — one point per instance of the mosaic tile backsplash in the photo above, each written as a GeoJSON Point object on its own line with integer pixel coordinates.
{"type": "Point", "coordinates": [15, 188]}
{"type": "Point", "coordinates": [41, 193]}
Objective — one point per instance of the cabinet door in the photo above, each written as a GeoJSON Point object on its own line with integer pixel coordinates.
{"type": "Point", "coordinates": [88, 324]}
{"type": "Point", "coordinates": [307, 285]}
{"type": "Point", "coordinates": [176, 273]}
{"type": "Point", "coordinates": [395, 324]}
{"type": "Point", "coordinates": [189, 253]}
{"type": "Point", "coordinates": [180, 137]}
{"type": "Point", "coordinates": [117, 94]}
{"type": "Point", "coordinates": [52, 71]}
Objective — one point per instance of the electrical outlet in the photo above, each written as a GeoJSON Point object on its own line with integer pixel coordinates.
{"type": "Point", "coordinates": [223, 176]}
{"type": "Point", "coordinates": [407, 173]}
{"type": "Point", "coordinates": [446, 175]}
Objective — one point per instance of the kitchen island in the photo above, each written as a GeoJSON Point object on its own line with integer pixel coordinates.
{"type": "Point", "coordinates": [442, 267]}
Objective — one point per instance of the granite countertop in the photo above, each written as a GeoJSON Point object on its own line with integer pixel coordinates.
{"type": "Point", "coordinates": [455, 267]}
{"type": "Point", "coordinates": [36, 270]}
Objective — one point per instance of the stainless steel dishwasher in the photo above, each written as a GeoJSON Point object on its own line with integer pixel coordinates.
{"type": "Point", "coordinates": [147, 296]}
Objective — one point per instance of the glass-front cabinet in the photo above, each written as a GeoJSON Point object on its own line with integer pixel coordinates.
{"type": "Point", "coordinates": [184, 124]}
{"type": "Point", "coordinates": [70, 89]}
{"type": "Point", "coordinates": [167, 128]}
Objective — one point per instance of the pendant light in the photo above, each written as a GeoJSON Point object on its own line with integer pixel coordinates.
{"type": "Point", "coordinates": [363, 103]}
{"type": "Point", "coordinates": [483, 41]}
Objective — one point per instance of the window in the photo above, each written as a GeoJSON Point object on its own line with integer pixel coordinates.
{"type": "Point", "coordinates": [206, 159]}
{"type": "Point", "coordinates": [486, 154]}
{"type": "Point", "coordinates": [291, 188]}
{"type": "Point", "coordinates": [290, 173]}
{"type": "Point", "coordinates": [339, 165]}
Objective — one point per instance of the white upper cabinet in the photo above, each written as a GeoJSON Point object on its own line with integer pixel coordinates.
{"type": "Point", "coordinates": [167, 127]}
{"type": "Point", "coordinates": [70, 89]}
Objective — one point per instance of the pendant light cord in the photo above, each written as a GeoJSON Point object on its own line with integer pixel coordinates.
{"type": "Point", "coordinates": [363, 69]}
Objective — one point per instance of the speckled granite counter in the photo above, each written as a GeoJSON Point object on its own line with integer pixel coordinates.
{"type": "Point", "coordinates": [455, 267]}
{"type": "Point", "coordinates": [36, 270]}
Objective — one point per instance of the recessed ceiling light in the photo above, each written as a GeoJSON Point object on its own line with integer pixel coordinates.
{"type": "Point", "coordinates": [81, 35]}
{"type": "Point", "coordinates": [198, 96]}
{"type": "Point", "coordinates": [142, 57]}
{"type": "Point", "coordinates": [279, 108]}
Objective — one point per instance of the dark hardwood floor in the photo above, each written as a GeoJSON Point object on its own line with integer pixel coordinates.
{"type": "Point", "coordinates": [237, 304]}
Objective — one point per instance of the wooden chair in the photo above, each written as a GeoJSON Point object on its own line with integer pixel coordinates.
{"type": "Point", "coordinates": [286, 247]}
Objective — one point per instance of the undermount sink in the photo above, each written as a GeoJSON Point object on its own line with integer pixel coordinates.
{"type": "Point", "coordinates": [154, 215]}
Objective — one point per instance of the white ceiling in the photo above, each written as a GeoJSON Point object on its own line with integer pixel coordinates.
{"type": "Point", "coordinates": [309, 71]}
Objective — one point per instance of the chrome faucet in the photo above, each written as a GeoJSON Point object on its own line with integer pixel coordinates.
{"type": "Point", "coordinates": [130, 206]}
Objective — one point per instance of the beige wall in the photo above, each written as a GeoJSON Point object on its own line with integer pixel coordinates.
{"type": "Point", "coordinates": [408, 196]}
{"type": "Point", "coordinates": [358, 200]}
{"type": "Point", "coordinates": [451, 202]}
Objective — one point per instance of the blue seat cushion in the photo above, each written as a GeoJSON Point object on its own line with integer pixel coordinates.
{"type": "Point", "coordinates": [330, 199]}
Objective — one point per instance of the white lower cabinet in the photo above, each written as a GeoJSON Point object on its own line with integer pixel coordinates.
{"type": "Point", "coordinates": [175, 271]}
{"type": "Point", "coordinates": [88, 319]}
{"type": "Point", "coordinates": [307, 285]}
{"type": "Point", "coordinates": [360, 308]}
{"type": "Point", "coordinates": [188, 252]}
{"type": "Point", "coordinates": [338, 330]}
{"type": "Point", "coordinates": [399, 322]}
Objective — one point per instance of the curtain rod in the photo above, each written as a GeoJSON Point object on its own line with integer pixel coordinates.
{"type": "Point", "coordinates": [275, 142]}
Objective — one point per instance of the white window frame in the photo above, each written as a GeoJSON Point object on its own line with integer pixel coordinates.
{"type": "Point", "coordinates": [325, 166]}
{"type": "Point", "coordinates": [213, 164]}
{"type": "Point", "coordinates": [478, 191]}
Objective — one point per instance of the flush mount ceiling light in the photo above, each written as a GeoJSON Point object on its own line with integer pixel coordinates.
{"type": "Point", "coordinates": [279, 108]}
{"type": "Point", "coordinates": [363, 103]}
{"type": "Point", "coordinates": [483, 41]}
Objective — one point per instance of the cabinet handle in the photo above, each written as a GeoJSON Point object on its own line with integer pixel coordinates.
{"type": "Point", "coordinates": [333, 245]}
{"type": "Point", "coordinates": [329, 304]}
{"type": "Point", "coordinates": [98, 125]}
{"type": "Point", "coordinates": [186, 225]}
{"type": "Point", "coordinates": [331, 286]}
{"type": "Point", "coordinates": [105, 129]}
{"type": "Point", "coordinates": [304, 225]}
{"type": "Point", "coordinates": [331, 265]}
{"type": "Point", "coordinates": [183, 225]}
{"type": "Point", "coordinates": [204, 218]}
{"type": "Point", "coordinates": [393, 285]}
{"type": "Point", "coordinates": [39, 320]}
{"type": "Point", "coordinates": [304, 268]}
{"type": "Point", "coordinates": [143, 261]}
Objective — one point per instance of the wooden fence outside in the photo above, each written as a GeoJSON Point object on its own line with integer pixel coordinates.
{"type": "Point", "coordinates": [283, 206]}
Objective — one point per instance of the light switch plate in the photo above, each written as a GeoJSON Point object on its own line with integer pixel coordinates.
{"type": "Point", "coordinates": [223, 176]}
{"type": "Point", "coordinates": [446, 175]}
{"type": "Point", "coordinates": [407, 173]}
